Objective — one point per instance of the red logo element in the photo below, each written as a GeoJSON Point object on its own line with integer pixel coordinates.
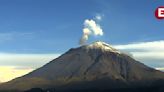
{"type": "Point", "coordinates": [159, 12]}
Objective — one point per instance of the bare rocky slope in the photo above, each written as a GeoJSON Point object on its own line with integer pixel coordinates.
{"type": "Point", "coordinates": [95, 66]}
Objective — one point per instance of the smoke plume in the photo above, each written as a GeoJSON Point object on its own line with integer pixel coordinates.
{"type": "Point", "coordinates": [90, 28]}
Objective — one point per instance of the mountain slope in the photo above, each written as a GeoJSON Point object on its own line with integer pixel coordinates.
{"type": "Point", "coordinates": [97, 65]}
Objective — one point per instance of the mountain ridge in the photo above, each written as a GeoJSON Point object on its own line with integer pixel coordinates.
{"type": "Point", "coordinates": [98, 65]}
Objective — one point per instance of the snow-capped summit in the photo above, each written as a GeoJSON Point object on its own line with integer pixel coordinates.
{"type": "Point", "coordinates": [103, 46]}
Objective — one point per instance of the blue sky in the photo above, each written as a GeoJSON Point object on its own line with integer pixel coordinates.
{"type": "Point", "coordinates": [51, 27]}
{"type": "Point", "coordinates": [44, 26]}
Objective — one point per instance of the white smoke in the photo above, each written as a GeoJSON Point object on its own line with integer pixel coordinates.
{"type": "Point", "coordinates": [90, 28]}
{"type": "Point", "coordinates": [98, 17]}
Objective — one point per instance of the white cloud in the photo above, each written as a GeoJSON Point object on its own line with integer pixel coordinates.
{"type": "Point", "coordinates": [15, 65]}
{"type": "Point", "coordinates": [153, 49]}
{"type": "Point", "coordinates": [8, 73]}
{"type": "Point", "coordinates": [148, 46]}
{"type": "Point", "coordinates": [32, 60]}
{"type": "Point", "coordinates": [150, 53]}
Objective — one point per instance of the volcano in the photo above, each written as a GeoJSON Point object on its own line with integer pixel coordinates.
{"type": "Point", "coordinates": [97, 66]}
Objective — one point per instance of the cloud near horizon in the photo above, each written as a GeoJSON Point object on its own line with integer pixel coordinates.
{"type": "Point", "coordinates": [153, 49]}
{"type": "Point", "coordinates": [15, 65]}
{"type": "Point", "coordinates": [8, 73]}
{"type": "Point", "coordinates": [150, 53]}
{"type": "Point", "coordinates": [30, 60]}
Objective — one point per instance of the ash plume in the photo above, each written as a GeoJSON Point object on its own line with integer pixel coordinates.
{"type": "Point", "coordinates": [90, 28]}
